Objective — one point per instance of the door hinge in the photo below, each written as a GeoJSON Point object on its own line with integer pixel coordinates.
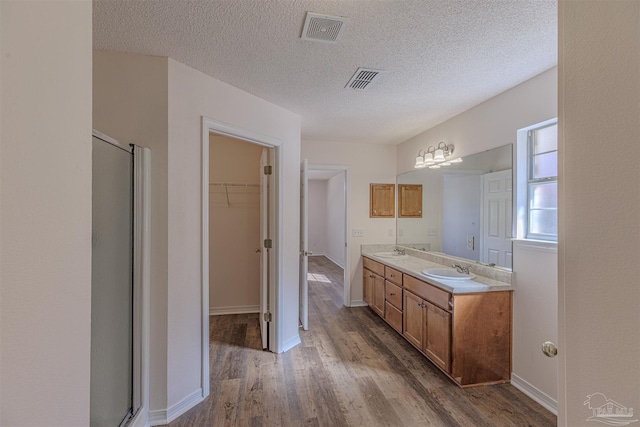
{"type": "Point", "coordinates": [267, 316]}
{"type": "Point", "coordinates": [268, 170]}
{"type": "Point", "coordinates": [268, 243]}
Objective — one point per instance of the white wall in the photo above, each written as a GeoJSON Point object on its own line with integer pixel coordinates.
{"type": "Point", "coordinates": [368, 164]}
{"type": "Point", "coordinates": [535, 318]}
{"type": "Point", "coordinates": [317, 216]}
{"type": "Point", "coordinates": [335, 214]}
{"type": "Point", "coordinates": [428, 229]}
{"type": "Point", "coordinates": [327, 218]}
{"type": "Point", "coordinates": [599, 210]}
{"type": "Point", "coordinates": [45, 213]}
{"type": "Point", "coordinates": [461, 206]}
{"type": "Point", "coordinates": [234, 226]}
{"type": "Point", "coordinates": [193, 95]}
{"type": "Point", "coordinates": [492, 124]}
{"type": "Point", "coordinates": [159, 103]}
{"type": "Point", "coordinates": [130, 104]}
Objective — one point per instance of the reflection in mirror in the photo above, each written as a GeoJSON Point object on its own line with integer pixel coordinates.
{"type": "Point", "coordinates": [466, 208]}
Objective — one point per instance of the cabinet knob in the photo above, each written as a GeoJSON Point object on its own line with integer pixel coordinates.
{"type": "Point", "coordinates": [391, 294]}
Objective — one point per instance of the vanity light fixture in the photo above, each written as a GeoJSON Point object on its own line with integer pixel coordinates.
{"type": "Point", "coordinates": [434, 156]}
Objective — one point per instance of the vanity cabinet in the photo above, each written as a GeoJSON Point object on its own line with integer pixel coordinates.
{"type": "Point", "coordinates": [428, 328]}
{"type": "Point", "coordinates": [393, 298]}
{"type": "Point", "coordinates": [382, 200]}
{"type": "Point", "coordinates": [466, 335]}
{"type": "Point", "coordinates": [373, 285]}
{"type": "Point", "coordinates": [409, 200]}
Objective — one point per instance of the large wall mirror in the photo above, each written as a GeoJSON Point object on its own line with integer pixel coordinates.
{"type": "Point", "coordinates": [467, 208]}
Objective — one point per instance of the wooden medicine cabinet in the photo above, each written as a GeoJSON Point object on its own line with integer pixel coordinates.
{"type": "Point", "coordinates": [382, 200]}
{"type": "Point", "coordinates": [409, 200]}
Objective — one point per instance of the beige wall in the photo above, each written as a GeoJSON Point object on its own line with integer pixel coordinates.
{"type": "Point", "coordinates": [234, 226]}
{"type": "Point", "coordinates": [599, 226]}
{"type": "Point", "coordinates": [368, 163]}
{"type": "Point", "coordinates": [130, 104]}
{"type": "Point", "coordinates": [193, 95]}
{"type": "Point", "coordinates": [45, 213]}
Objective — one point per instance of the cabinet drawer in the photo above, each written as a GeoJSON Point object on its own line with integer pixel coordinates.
{"type": "Point", "coordinates": [393, 275]}
{"type": "Point", "coordinates": [427, 291]}
{"type": "Point", "coordinates": [372, 265]}
{"type": "Point", "coordinates": [393, 316]}
{"type": "Point", "coordinates": [393, 295]}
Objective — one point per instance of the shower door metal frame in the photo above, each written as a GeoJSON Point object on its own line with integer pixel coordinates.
{"type": "Point", "coordinates": [141, 243]}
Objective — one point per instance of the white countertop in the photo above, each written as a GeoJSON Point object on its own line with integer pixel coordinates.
{"type": "Point", "coordinates": [413, 266]}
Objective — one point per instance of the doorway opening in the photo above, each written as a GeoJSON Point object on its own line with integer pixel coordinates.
{"type": "Point", "coordinates": [240, 230]}
{"type": "Point", "coordinates": [323, 227]}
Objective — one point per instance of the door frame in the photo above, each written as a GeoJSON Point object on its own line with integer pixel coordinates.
{"type": "Point", "coordinates": [347, 213]}
{"type": "Point", "coordinates": [275, 224]}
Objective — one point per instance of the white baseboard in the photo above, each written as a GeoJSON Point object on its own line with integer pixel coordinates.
{"type": "Point", "coordinates": [358, 303]}
{"type": "Point", "coordinates": [290, 343]}
{"type": "Point", "coordinates": [141, 419]}
{"type": "Point", "coordinates": [238, 309]}
{"type": "Point", "coordinates": [165, 416]}
{"type": "Point", "coordinates": [534, 393]}
{"type": "Point", "coordinates": [335, 262]}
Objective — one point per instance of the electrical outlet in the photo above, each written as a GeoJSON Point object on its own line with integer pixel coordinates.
{"type": "Point", "coordinates": [470, 242]}
{"type": "Point", "coordinates": [390, 232]}
{"type": "Point", "coordinates": [401, 232]}
{"type": "Point", "coordinates": [357, 232]}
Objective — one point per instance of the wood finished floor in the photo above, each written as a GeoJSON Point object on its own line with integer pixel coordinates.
{"type": "Point", "coordinates": [351, 369]}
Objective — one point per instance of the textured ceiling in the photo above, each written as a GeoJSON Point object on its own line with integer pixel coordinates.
{"type": "Point", "coordinates": [440, 57]}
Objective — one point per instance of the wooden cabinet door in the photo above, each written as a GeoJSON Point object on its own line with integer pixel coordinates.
{"type": "Point", "coordinates": [378, 294]}
{"type": "Point", "coordinates": [382, 200]}
{"type": "Point", "coordinates": [393, 316]}
{"type": "Point", "coordinates": [367, 286]}
{"type": "Point", "coordinates": [409, 200]}
{"type": "Point", "coordinates": [413, 319]}
{"type": "Point", "coordinates": [437, 345]}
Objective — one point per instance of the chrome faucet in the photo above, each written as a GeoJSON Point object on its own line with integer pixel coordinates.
{"type": "Point", "coordinates": [399, 251]}
{"type": "Point", "coordinates": [461, 269]}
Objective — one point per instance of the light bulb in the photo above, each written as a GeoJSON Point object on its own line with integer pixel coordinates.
{"type": "Point", "coordinates": [428, 158]}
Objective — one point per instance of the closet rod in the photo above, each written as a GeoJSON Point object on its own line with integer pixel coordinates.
{"type": "Point", "coordinates": [230, 184]}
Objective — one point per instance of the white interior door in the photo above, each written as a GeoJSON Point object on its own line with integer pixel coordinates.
{"type": "Point", "coordinates": [264, 253]}
{"type": "Point", "coordinates": [304, 246]}
{"type": "Point", "coordinates": [497, 215]}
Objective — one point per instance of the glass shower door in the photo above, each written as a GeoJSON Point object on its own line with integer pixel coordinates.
{"type": "Point", "coordinates": [111, 285]}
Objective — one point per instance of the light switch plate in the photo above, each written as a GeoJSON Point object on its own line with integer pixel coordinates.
{"type": "Point", "coordinates": [357, 232]}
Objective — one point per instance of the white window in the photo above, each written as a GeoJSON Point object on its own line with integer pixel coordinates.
{"type": "Point", "coordinates": [538, 181]}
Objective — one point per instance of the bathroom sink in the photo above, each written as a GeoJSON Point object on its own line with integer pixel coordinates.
{"type": "Point", "coordinates": [447, 274]}
{"type": "Point", "coordinates": [394, 255]}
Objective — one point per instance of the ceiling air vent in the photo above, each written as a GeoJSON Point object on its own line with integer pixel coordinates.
{"type": "Point", "coordinates": [323, 28]}
{"type": "Point", "coordinates": [362, 78]}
